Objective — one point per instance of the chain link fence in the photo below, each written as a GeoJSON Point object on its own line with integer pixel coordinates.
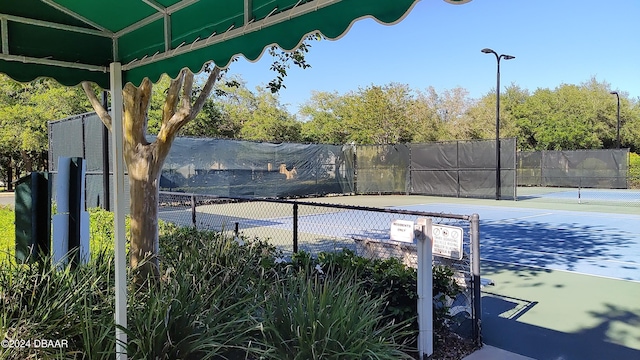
{"type": "Point", "coordinates": [596, 177]}
{"type": "Point", "coordinates": [226, 167]}
{"type": "Point", "coordinates": [294, 226]}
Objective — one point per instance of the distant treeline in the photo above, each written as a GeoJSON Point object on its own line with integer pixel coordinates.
{"type": "Point", "coordinates": [569, 117]}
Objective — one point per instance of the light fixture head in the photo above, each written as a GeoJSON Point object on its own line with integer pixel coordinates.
{"type": "Point", "coordinates": [488, 51]}
{"type": "Point", "coordinates": [614, 93]}
{"type": "Point", "coordinates": [508, 57]}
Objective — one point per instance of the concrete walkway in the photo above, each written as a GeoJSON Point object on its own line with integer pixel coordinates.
{"type": "Point", "coordinates": [6, 199]}
{"type": "Point", "coordinates": [489, 352]}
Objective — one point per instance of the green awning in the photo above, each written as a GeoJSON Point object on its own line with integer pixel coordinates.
{"type": "Point", "coordinates": [76, 40]}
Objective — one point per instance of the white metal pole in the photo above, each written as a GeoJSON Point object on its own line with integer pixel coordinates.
{"type": "Point", "coordinates": [117, 149]}
{"type": "Point", "coordinates": [425, 290]}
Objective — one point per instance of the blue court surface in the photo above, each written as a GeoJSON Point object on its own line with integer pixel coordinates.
{"type": "Point", "coordinates": [577, 195]}
{"type": "Point", "coordinates": [601, 244]}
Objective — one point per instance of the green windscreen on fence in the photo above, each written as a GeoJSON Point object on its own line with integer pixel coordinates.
{"type": "Point", "coordinates": [382, 168]}
{"type": "Point", "coordinates": [214, 166]}
{"type": "Point", "coordinates": [243, 168]}
{"type": "Point", "coordinates": [604, 169]}
{"type": "Point", "coordinates": [225, 167]}
{"type": "Point", "coordinates": [463, 169]}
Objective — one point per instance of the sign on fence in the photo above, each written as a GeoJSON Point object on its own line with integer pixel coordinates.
{"type": "Point", "coordinates": [402, 230]}
{"type": "Point", "coordinates": [447, 241]}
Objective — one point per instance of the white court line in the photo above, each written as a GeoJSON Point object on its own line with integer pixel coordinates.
{"type": "Point", "coordinates": [515, 209]}
{"type": "Point", "coordinates": [514, 219]}
{"type": "Point", "coordinates": [562, 270]}
{"type": "Point", "coordinates": [530, 216]}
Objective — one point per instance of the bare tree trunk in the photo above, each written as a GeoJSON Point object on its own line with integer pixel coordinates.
{"type": "Point", "coordinates": [10, 175]}
{"type": "Point", "coordinates": [144, 186]}
{"type": "Point", "coordinates": [144, 160]}
{"type": "Point", "coordinates": [143, 164]}
{"type": "Point", "coordinates": [26, 158]}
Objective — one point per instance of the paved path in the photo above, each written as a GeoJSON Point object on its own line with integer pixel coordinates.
{"type": "Point", "coordinates": [489, 352]}
{"type": "Point", "coordinates": [6, 198]}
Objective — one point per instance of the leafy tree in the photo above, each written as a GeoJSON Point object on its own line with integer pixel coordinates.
{"type": "Point", "coordinates": [630, 122]}
{"type": "Point", "coordinates": [482, 115]}
{"type": "Point", "coordinates": [374, 115]}
{"type": "Point", "coordinates": [325, 123]}
{"type": "Point", "coordinates": [449, 114]}
{"type": "Point", "coordinates": [25, 110]}
{"type": "Point", "coordinates": [568, 117]}
{"type": "Point", "coordinates": [428, 125]}
{"type": "Point", "coordinates": [381, 115]}
{"type": "Point", "coordinates": [259, 116]}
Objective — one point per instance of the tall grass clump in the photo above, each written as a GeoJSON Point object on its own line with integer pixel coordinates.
{"type": "Point", "coordinates": [313, 316]}
{"type": "Point", "coordinates": [205, 304]}
{"type": "Point", "coordinates": [43, 300]}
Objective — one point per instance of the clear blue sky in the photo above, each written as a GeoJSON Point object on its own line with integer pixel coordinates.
{"type": "Point", "coordinates": [554, 41]}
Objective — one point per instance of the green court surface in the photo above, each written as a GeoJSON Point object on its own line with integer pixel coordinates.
{"type": "Point", "coordinates": [548, 314]}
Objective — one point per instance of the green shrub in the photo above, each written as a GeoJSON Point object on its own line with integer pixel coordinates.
{"type": "Point", "coordinates": [215, 299]}
{"type": "Point", "coordinates": [101, 230]}
{"type": "Point", "coordinates": [43, 301]}
{"type": "Point", "coordinates": [195, 311]}
{"type": "Point", "coordinates": [7, 233]}
{"type": "Point", "coordinates": [207, 303]}
{"type": "Point", "coordinates": [445, 287]}
{"type": "Point", "coordinates": [329, 317]}
{"type": "Point", "coordinates": [398, 283]}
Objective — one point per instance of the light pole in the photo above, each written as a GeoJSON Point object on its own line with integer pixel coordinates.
{"type": "Point", "coordinates": [498, 58]}
{"type": "Point", "coordinates": [618, 128]}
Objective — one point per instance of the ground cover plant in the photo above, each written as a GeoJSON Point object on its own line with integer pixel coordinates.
{"type": "Point", "coordinates": [216, 298]}
{"type": "Point", "coordinates": [7, 230]}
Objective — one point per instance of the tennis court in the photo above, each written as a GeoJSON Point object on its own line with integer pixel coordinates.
{"type": "Point", "coordinates": [595, 240]}
{"type": "Point", "coordinates": [589, 237]}
{"type": "Point", "coordinates": [581, 195]}
{"type": "Point", "coordinates": [319, 227]}
{"type": "Point", "coordinates": [593, 243]}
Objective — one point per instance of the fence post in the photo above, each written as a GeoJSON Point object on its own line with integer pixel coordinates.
{"type": "Point", "coordinates": [475, 273]}
{"type": "Point", "coordinates": [193, 210]}
{"type": "Point", "coordinates": [295, 228]}
{"type": "Point", "coordinates": [105, 157]}
{"type": "Point", "coordinates": [425, 289]}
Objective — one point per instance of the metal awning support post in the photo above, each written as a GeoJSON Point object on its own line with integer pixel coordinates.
{"type": "Point", "coordinates": [117, 150]}
{"type": "Point", "coordinates": [105, 158]}
{"type": "Point", "coordinates": [425, 289]}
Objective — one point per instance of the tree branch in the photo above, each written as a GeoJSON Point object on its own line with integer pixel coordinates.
{"type": "Point", "coordinates": [186, 112]}
{"type": "Point", "coordinates": [187, 90]}
{"type": "Point", "coordinates": [181, 116]}
{"type": "Point", "coordinates": [103, 114]}
{"type": "Point", "coordinates": [173, 95]}
{"type": "Point", "coordinates": [136, 106]}
{"type": "Point", "coordinates": [206, 91]}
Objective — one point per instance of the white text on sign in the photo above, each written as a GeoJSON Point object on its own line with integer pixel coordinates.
{"type": "Point", "coordinates": [402, 230]}
{"type": "Point", "coordinates": [447, 241]}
